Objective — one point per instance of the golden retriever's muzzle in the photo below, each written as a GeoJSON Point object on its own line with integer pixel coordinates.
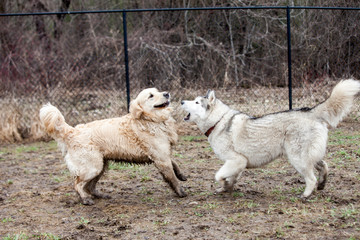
{"type": "Point", "coordinates": [166, 103]}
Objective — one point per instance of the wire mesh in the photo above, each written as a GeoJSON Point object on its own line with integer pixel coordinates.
{"type": "Point", "coordinates": [76, 61]}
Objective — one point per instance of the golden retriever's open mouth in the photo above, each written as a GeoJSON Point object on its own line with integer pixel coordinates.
{"type": "Point", "coordinates": [165, 104]}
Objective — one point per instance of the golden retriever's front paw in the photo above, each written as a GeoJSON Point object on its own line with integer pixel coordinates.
{"type": "Point", "coordinates": [181, 193]}
{"type": "Point", "coordinates": [101, 195]}
{"type": "Point", "coordinates": [88, 201]}
{"type": "Point", "coordinates": [181, 177]}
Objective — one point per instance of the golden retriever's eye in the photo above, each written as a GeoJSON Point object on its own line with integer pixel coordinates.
{"type": "Point", "coordinates": [151, 96]}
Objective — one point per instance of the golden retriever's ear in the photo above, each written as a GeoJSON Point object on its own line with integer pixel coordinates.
{"type": "Point", "coordinates": [136, 110]}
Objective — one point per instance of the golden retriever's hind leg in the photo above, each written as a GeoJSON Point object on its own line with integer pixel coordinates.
{"type": "Point", "coordinates": [169, 176]}
{"type": "Point", "coordinates": [85, 175]}
{"type": "Point", "coordinates": [91, 186]}
{"type": "Point", "coordinates": [177, 171]}
{"type": "Point", "coordinates": [80, 187]}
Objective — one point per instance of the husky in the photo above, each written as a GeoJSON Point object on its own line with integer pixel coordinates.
{"type": "Point", "coordinates": [242, 141]}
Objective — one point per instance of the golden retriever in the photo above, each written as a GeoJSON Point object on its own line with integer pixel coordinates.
{"type": "Point", "coordinates": [145, 135]}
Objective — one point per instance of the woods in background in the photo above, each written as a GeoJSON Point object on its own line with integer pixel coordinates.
{"type": "Point", "coordinates": [174, 49]}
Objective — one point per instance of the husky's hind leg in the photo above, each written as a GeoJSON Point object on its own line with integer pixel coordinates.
{"type": "Point", "coordinates": [306, 169]}
{"type": "Point", "coordinates": [322, 167]}
{"type": "Point", "coordinates": [310, 181]}
{"type": "Point", "coordinates": [307, 154]}
{"type": "Point", "coordinates": [229, 172]}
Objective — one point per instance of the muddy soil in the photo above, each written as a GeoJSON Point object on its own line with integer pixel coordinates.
{"type": "Point", "coordinates": [37, 199]}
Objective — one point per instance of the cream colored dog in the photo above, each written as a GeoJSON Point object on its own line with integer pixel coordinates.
{"type": "Point", "coordinates": [145, 135]}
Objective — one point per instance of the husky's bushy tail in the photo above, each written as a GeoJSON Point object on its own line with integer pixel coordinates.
{"type": "Point", "coordinates": [339, 104]}
{"type": "Point", "coordinates": [54, 122]}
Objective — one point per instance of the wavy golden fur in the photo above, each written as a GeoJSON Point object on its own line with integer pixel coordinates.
{"type": "Point", "coordinates": [145, 135]}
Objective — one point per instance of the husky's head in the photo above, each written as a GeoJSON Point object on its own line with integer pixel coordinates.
{"type": "Point", "coordinates": [199, 108]}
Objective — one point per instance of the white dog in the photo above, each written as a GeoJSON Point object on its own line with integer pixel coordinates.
{"type": "Point", "coordinates": [246, 142]}
{"type": "Point", "coordinates": [145, 135]}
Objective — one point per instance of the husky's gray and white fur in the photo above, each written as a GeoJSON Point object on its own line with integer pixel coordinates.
{"type": "Point", "coordinates": [246, 142]}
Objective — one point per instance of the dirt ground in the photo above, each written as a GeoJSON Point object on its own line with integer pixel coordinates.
{"type": "Point", "coordinates": [37, 199]}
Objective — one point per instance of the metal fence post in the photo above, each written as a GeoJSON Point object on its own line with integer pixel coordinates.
{"type": "Point", "coordinates": [126, 60]}
{"type": "Point", "coordinates": [289, 56]}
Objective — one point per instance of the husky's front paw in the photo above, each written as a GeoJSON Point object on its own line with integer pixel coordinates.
{"type": "Point", "coordinates": [220, 190]}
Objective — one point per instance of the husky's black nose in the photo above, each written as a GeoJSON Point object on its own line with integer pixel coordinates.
{"type": "Point", "coordinates": [182, 102]}
{"type": "Point", "coordinates": [167, 95]}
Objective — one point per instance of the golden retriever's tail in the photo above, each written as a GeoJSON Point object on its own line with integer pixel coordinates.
{"type": "Point", "coordinates": [338, 105]}
{"type": "Point", "coordinates": [54, 122]}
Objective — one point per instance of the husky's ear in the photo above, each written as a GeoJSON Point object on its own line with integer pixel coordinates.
{"type": "Point", "coordinates": [135, 109]}
{"type": "Point", "coordinates": [207, 94]}
{"type": "Point", "coordinates": [211, 96]}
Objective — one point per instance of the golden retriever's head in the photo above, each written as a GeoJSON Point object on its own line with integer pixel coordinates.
{"type": "Point", "coordinates": [151, 105]}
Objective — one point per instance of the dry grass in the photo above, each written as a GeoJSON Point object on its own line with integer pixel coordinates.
{"type": "Point", "coordinates": [19, 119]}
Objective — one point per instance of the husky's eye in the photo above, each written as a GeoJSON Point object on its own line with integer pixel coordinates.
{"type": "Point", "coordinates": [197, 102]}
{"type": "Point", "coordinates": [151, 96]}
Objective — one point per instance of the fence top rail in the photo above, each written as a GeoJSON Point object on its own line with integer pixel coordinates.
{"type": "Point", "coordinates": [177, 9]}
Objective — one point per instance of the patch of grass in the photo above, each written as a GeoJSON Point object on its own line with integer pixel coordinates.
{"type": "Point", "coordinates": [206, 193]}
{"type": "Point", "coordinates": [298, 190]}
{"type": "Point", "coordinates": [20, 236]}
{"type": "Point", "coordinates": [148, 199]}
{"type": "Point", "coordinates": [272, 208]}
{"type": "Point", "coordinates": [26, 149]}
{"type": "Point", "coordinates": [162, 223]}
{"type": "Point", "coordinates": [209, 149]}
{"type": "Point", "coordinates": [5, 220]}
{"type": "Point", "coordinates": [249, 204]}
{"type": "Point", "coordinates": [145, 191]}
{"type": "Point", "coordinates": [2, 152]}
{"type": "Point", "coordinates": [238, 194]}
{"type": "Point", "coordinates": [198, 214]}
{"type": "Point", "coordinates": [145, 177]}
{"type": "Point", "coordinates": [349, 212]}
{"type": "Point", "coordinates": [342, 139]}
{"type": "Point", "coordinates": [84, 221]}
{"type": "Point", "coordinates": [200, 161]}
{"type": "Point", "coordinates": [193, 138]}
{"type": "Point", "coordinates": [166, 211]}
{"type": "Point", "coordinates": [135, 170]}
{"type": "Point", "coordinates": [57, 179]}
{"type": "Point", "coordinates": [279, 232]}
{"type": "Point", "coordinates": [178, 155]}
{"type": "Point", "coordinates": [343, 154]}
{"type": "Point", "coordinates": [269, 171]}
{"type": "Point", "coordinates": [210, 205]}
{"type": "Point", "coordinates": [121, 166]}
{"type": "Point", "coordinates": [230, 220]}
{"type": "Point", "coordinates": [49, 236]}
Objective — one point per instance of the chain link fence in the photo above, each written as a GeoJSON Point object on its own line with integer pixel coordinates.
{"type": "Point", "coordinates": [76, 61]}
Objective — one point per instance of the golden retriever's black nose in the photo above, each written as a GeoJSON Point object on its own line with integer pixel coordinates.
{"type": "Point", "coordinates": [167, 95]}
